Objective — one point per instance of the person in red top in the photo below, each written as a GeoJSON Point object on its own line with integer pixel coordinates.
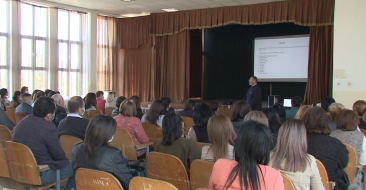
{"type": "Point", "coordinates": [101, 101]}
{"type": "Point", "coordinates": [126, 120]}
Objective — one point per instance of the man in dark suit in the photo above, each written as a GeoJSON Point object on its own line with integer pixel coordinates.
{"type": "Point", "coordinates": [254, 94]}
{"type": "Point", "coordinates": [74, 124]}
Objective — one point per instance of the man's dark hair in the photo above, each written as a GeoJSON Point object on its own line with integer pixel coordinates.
{"type": "Point", "coordinates": [296, 101]}
{"type": "Point", "coordinates": [5, 90]}
{"type": "Point", "coordinates": [120, 100]}
{"type": "Point", "coordinates": [26, 95]}
{"type": "Point", "coordinates": [2, 93]}
{"type": "Point", "coordinates": [167, 102]}
{"type": "Point", "coordinates": [99, 93]}
{"type": "Point", "coordinates": [255, 78]}
{"type": "Point", "coordinates": [74, 104]}
{"type": "Point", "coordinates": [326, 103]}
{"type": "Point", "coordinates": [189, 104]}
{"type": "Point", "coordinates": [44, 106]}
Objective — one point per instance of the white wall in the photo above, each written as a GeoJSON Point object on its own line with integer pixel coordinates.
{"type": "Point", "coordinates": [350, 51]}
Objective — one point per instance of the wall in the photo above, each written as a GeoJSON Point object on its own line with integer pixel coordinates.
{"type": "Point", "coordinates": [350, 51]}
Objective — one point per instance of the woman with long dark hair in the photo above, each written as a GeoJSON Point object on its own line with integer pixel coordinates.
{"type": "Point", "coordinates": [137, 101]}
{"type": "Point", "coordinates": [16, 99]}
{"type": "Point", "coordinates": [249, 170]}
{"type": "Point", "coordinates": [241, 109]}
{"type": "Point", "coordinates": [90, 102]}
{"type": "Point", "coordinates": [155, 114]}
{"type": "Point", "coordinates": [274, 122]}
{"type": "Point", "coordinates": [201, 115]}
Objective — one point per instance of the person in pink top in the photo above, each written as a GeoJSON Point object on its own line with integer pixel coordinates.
{"type": "Point", "coordinates": [101, 101]}
{"type": "Point", "coordinates": [126, 120]}
{"type": "Point", "coordinates": [249, 170]}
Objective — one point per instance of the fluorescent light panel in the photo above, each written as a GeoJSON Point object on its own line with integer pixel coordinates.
{"type": "Point", "coordinates": [170, 10]}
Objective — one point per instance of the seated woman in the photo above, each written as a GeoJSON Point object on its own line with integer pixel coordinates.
{"type": "Point", "coordinates": [90, 102]}
{"type": "Point", "coordinates": [221, 135]}
{"type": "Point", "coordinates": [302, 110]}
{"type": "Point", "coordinates": [291, 158]}
{"type": "Point", "coordinates": [111, 100]}
{"type": "Point", "coordinates": [360, 108]}
{"type": "Point", "coordinates": [281, 111]}
{"type": "Point", "coordinates": [274, 122]}
{"type": "Point", "coordinates": [241, 109]}
{"type": "Point", "coordinates": [201, 115]}
{"type": "Point", "coordinates": [334, 110]}
{"type": "Point", "coordinates": [137, 101]}
{"type": "Point", "coordinates": [126, 120]}
{"type": "Point", "coordinates": [249, 170]}
{"type": "Point", "coordinates": [172, 143]}
{"type": "Point", "coordinates": [155, 114]}
{"type": "Point", "coordinates": [257, 116]}
{"type": "Point", "coordinates": [94, 153]}
{"type": "Point", "coordinates": [329, 150]}
{"type": "Point", "coordinates": [16, 99]}
{"type": "Point", "coordinates": [118, 104]}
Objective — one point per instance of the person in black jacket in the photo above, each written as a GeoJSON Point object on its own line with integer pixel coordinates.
{"type": "Point", "coordinates": [95, 153]}
{"type": "Point", "coordinates": [60, 112]}
{"type": "Point", "coordinates": [254, 94]}
{"type": "Point", "coordinates": [74, 124]}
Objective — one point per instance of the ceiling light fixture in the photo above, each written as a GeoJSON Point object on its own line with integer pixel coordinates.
{"type": "Point", "coordinates": [170, 10]}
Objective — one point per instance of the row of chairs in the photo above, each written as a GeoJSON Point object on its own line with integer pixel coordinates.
{"type": "Point", "coordinates": [14, 117]}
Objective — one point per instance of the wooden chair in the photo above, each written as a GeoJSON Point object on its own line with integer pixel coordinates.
{"type": "Point", "coordinates": [167, 168]}
{"type": "Point", "coordinates": [10, 116]}
{"type": "Point", "coordinates": [24, 169]}
{"type": "Point", "coordinates": [114, 115]}
{"type": "Point", "coordinates": [85, 115]}
{"type": "Point", "coordinates": [94, 113]}
{"type": "Point", "coordinates": [201, 145]}
{"type": "Point", "coordinates": [108, 111]}
{"type": "Point", "coordinates": [123, 141]}
{"type": "Point", "coordinates": [154, 133]}
{"type": "Point", "coordinates": [67, 143]}
{"type": "Point", "coordinates": [4, 171]}
{"type": "Point", "coordinates": [363, 131]}
{"type": "Point", "coordinates": [7, 104]}
{"type": "Point", "coordinates": [98, 109]}
{"type": "Point", "coordinates": [200, 173]}
{"type": "Point", "coordinates": [87, 179]}
{"type": "Point", "coordinates": [10, 109]}
{"type": "Point", "coordinates": [225, 111]}
{"type": "Point", "coordinates": [324, 175]}
{"type": "Point", "coordinates": [5, 135]}
{"type": "Point", "coordinates": [288, 183]}
{"type": "Point", "coordinates": [351, 168]}
{"type": "Point", "coordinates": [189, 123]}
{"type": "Point", "coordinates": [141, 183]}
{"type": "Point", "coordinates": [19, 117]}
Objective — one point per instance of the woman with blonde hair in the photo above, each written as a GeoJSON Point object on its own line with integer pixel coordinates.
{"type": "Point", "coordinates": [334, 110]}
{"type": "Point", "coordinates": [291, 158]}
{"type": "Point", "coordinates": [111, 100]}
{"type": "Point", "coordinates": [257, 116]}
{"type": "Point", "coordinates": [302, 110]}
{"type": "Point", "coordinates": [221, 135]}
{"type": "Point", "coordinates": [360, 107]}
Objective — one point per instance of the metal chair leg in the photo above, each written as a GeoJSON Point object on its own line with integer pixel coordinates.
{"type": "Point", "coordinates": [57, 179]}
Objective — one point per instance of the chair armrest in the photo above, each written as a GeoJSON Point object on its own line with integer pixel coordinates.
{"type": "Point", "coordinates": [43, 168]}
{"type": "Point", "coordinates": [142, 146]}
{"type": "Point", "coordinates": [332, 185]}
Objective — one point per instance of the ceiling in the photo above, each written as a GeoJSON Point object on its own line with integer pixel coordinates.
{"type": "Point", "coordinates": [145, 7]}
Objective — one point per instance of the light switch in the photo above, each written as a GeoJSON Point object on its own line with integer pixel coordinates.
{"type": "Point", "coordinates": [349, 83]}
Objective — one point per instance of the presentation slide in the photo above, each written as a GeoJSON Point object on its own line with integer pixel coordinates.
{"type": "Point", "coordinates": [281, 59]}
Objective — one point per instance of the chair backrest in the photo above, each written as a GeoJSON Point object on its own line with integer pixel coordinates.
{"type": "Point", "coordinates": [141, 183]}
{"type": "Point", "coordinates": [200, 145]}
{"type": "Point", "coordinates": [18, 117]}
{"type": "Point", "coordinates": [108, 111]}
{"type": "Point", "coordinates": [4, 171]}
{"type": "Point", "coordinates": [22, 164]}
{"type": "Point", "coordinates": [122, 140]}
{"type": "Point", "coordinates": [154, 133]}
{"type": "Point", "coordinates": [363, 131]}
{"type": "Point", "coordinates": [200, 173]}
{"type": "Point", "coordinates": [288, 183]}
{"type": "Point", "coordinates": [10, 116]}
{"type": "Point", "coordinates": [189, 123]}
{"type": "Point", "coordinates": [5, 135]}
{"type": "Point", "coordinates": [87, 179]}
{"type": "Point", "coordinates": [10, 109]}
{"type": "Point", "coordinates": [67, 143]}
{"type": "Point", "coordinates": [351, 168]}
{"type": "Point", "coordinates": [94, 113]}
{"type": "Point", "coordinates": [99, 109]}
{"type": "Point", "coordinates": [85, 115]}
{"type": "Point", "coordinates": [225, 111]}
{"type": "Point", "coordinates": [323, 174]}
{"type": "Point", "coordinates": [167, 168]}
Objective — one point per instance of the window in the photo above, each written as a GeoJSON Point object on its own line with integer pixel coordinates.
{"type": "Point", "coordinates": [4, 44]}
{"type": "Point", "coordinates": [69, 53]}
{"type": "Point", "coordinates": [34, 51]}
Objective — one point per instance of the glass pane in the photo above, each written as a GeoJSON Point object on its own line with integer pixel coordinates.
{"type": "Point", "coordinates": [40, 21]}
{"type": "Point", "coordinates": [26, 12]}
{"type": "Point", "coordinates": [26, 52]}
{"type": "Point", "coordinates": [74, 56]}
{"type": "Point", "coordinates": [40, 53]}
{"type": "Point", "coordinates": [63, 25]}
{"type": "Point", "coordinates": [3, 16]}
{"type": "Point", "coordinates": [62, 55]}
{"type": "Point", "coordinates": [40, 80]}
{"type": "Point", "coordinates": [63, 82]}
{"type": "Point", "coordinates": [75, 27]}
{"type": "Point", "coordinates": [4, 78]}
{"type": "Point", "coordinates": [3, 50]}
{"type": "Point", "coordinates": [27, 79]}
{"type": "Point", "coordinates": [74, 84]}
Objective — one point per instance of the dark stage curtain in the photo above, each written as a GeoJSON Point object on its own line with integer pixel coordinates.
{"type": "Point", "coordinates": [195, 69]}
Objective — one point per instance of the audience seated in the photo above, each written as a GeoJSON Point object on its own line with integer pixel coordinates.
{"type": "Point", "coordinates": [25, 106]}
{"type": "Point", "coordinates": [118, 104]}
{"type": "Point", "coordinates": [329, 150]}
{"type": "Point", "coordinates": [241, 109]}
{"type": "Point", "coordinates": [39, 94]}
{"type": "Point", "coordinates": [155, 114]}
{"type": "Point", "coordinates": [360, 107]}
{"type": "Point", "coordinates": [214, 105]}
{"type": "Point", "coordinates": [3, 98]}
{"type": "Point", "coordinates": [24, 89]}
{"type": "Point", "coordinates": [51, 93]}
{"type": "Point", "coordinates": [100, 100]}
{"type": "Point", "coordinates": [296, 102]}
{"type": "Point", "coordinates": [40, 135]}
{"type": "Point", "coordinates": [300, 114]}
{"type": "Point", "coordinates": [111, 100]}
{"type": "Point", "coordinates": [4, 120]}
{"type": "Point", "coordinates": [257, 116]}
{"type": "Point", "coordinates": [347, 132]}
{"type": "Point", "coordinates": [172, 143]}
{"type": "Point", "coordinates": [188, 108]}
{"type": "Point", "coordinates": [33, 96]}
{"type": "Point", "coordinates": [334, 110]}
{"type": "Point", "coordinates": [60, 112]}
{"type": "Point", "coordinates": [126, 120]}
{"type": "Point", "coordinates": [274, 122]}
{"type": "Point", "coordinates": [74, 124]}
{"type": "Point", "coordinates": [16, 99]}
{"type": "Point", "coordinates": [201, 115]}
{"type": "Point", "coordinates": [137, 101]}
{"type": "Point", "coordinates": [90, 102]}
{"type": "Point", "coordinates": [221, 135]}
{"type": "Point", "coordinates": [281, 111]}
{"type": "Point", "coordinates": [291, 158]}
{"type": "Point", "coordinates": [167, 108]}
{"type": "Point", "coordinates": [326, 103]}
{"type": "Point", "coordinates": [248, 170]}
{"type": "Point", "coordinates": [94, 153]}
